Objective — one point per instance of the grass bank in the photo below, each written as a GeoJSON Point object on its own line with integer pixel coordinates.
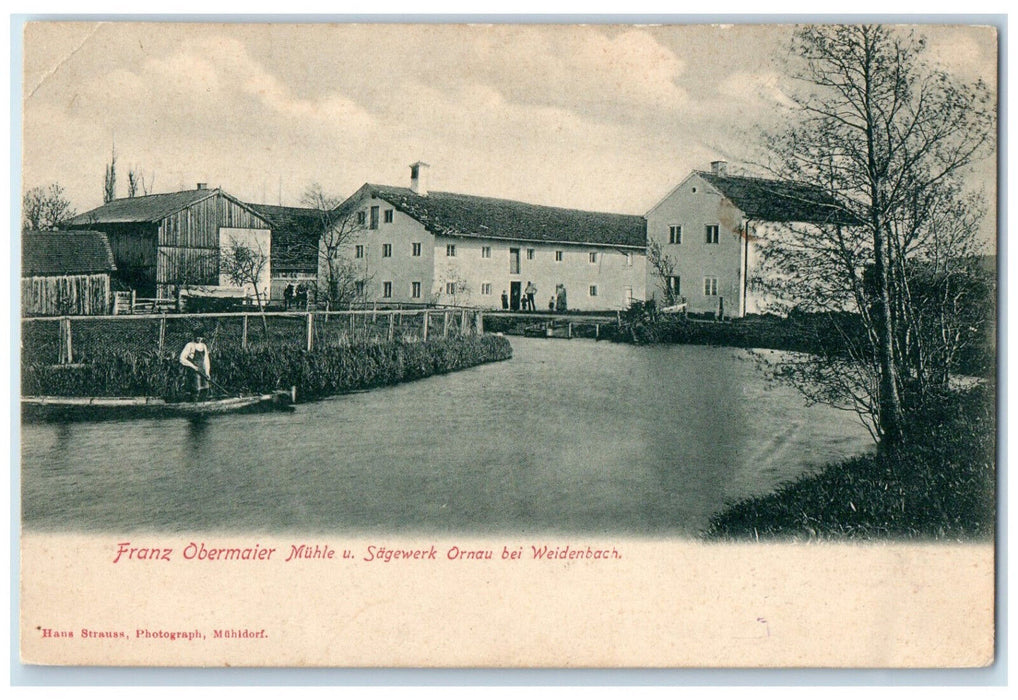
{"type": "Point", "coordinates": [939, 485]}
{"type": "Point", "coordinates": [326, 371]}
{"type": "Point", "coordinates": [814, 333]}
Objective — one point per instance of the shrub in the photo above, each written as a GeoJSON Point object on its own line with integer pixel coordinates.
{"type": "Point", "coordinates": [325, 371]}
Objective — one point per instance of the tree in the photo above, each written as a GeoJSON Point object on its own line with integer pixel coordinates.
{"type": "Point", "coordinates": [244, 263]}
{"type": "Point", "coordinates": [890, 139]}
{"type": "Point", "coordinates": [110, 181]}
{"type": "Point", "coordinates": [663, 267]}
{"type": "Point", "coordinates": [132, 183]}
{"type": "Point", "coordinates": [341, 276]}
{"type": "Point", "coordinates": [45, 208]}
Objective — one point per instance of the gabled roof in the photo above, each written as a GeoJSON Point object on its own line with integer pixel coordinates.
{"type": "Point", "coordinates": [56, 253]}
{"type": "Point", "coordinates": [296, 232]}
{"type": "Point", "coordinates": [779, 200]}
{"type": "Point", "coordinates": [150, 208]}
{"type": "Point", "coordinates": [450, 214]}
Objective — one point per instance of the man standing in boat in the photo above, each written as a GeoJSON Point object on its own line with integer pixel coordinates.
{"type": "Point", "coordinates": [195, 357]}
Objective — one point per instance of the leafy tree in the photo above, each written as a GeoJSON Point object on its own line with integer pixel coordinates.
{"type": "Point", "coordinates": [891, 138]}
{"type": "Point", "coordinates": [45, 208]}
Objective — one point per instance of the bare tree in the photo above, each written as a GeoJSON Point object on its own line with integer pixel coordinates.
{"type": "Point", "coordinates": [110, 181]}
{"type": "Point", "coordinates": [663, 267]}
{"type": "Point", "coordinates": [132, 182]}
{"type": "Point", "coordinates": [244, 263]}
{"type": "Point", "coordinates": [887, 141]}
{"type": "Point", "coordinates": [341, 275]}
{"type": "Point", "coordinates": [45, 208]}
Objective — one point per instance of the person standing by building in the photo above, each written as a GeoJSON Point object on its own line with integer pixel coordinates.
{"type": "Point", "coordinates": [288, 296]}
{"type": "Point", "coordinates": [531, 292]}
{"type": "Point", "coordinates": [195, 357]}
{"type": "Point", "coordinates": [505, 301]}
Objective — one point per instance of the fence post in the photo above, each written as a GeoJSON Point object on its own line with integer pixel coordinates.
{"type": "Point", "coordinates": [374, 312]}
{"type": "Point", "coordinates": [463, 322]}
{"type": "Point", "coordinates": [243, 337]}
{"type": "Point", "coordinates": [426, 315]}
{"type": "Point", "coordinates": [480, 323]}
{"type": "Point", "coordinates": [311, 331]}
{"type": "Point", "coordinates": [134, 299]}
{"type": "Point", "coordinates": [445, 324]}
{"type": "Point", "coordinates": [162, 332]}
{"type": "Point", "coordinates": [569, 330]}
{"type": "Point", "coordinates": [392, 325]}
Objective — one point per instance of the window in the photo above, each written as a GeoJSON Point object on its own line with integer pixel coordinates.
{"type": "Point", "coordinates": [592, 256]}
{"type": "Point", "coordinates": [712, 233]}
{"type": "Point", "coordinates": [514, 261]}
{"type": "Point", "coordinates": [362, 218]}
{"type": "Point", "coordinates": [450, 288]}
{"type": "Point", "coordinates": [359, 251]}
{"type": "Point", "coordinates": [387, 250]}
{"type": "Point", "coordinates": [674, 285]}
{"type": "Point", "coordinates": [374, 218]}
{"type": "Point", "coordinates": [388, 216]}
{"type": "Point", "coordinates": [387, 290]}
{"type": "Point", "coordinates": [710, 286]}
{"type": "Point", "coordinates": [530, 253]}
{"type": "Point", "coordinates": [415, 290]}
{"type": "Point", "coordinates": [486, 289]}
{"type": "Point", "coordinates": [675, 234]}
{"type": "Point", "coordinates": [450, 250]}
{"type": "Point", "coordinates": [486, 251]}
{"type": "Point", "coordinates": [593, 290]}
{"type": "Point", "coordinates": [359, 286]}
{"type": "Point", "coordinates": [417, 250]}
{"type": "Point", "coordinates": [558, 256]}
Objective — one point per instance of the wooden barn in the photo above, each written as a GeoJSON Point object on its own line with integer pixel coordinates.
{"type": "Point", "coordinates": [65, 273]}
{"type": "Point", "coordinates": [163, 243]}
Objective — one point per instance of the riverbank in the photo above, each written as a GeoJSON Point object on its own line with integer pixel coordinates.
{"type": "Point", "coordinates": [814, 333]}
{"type": "Point", "coordinates": [940, 485]}
{"type": "Point", "coordinates": [325, 371]}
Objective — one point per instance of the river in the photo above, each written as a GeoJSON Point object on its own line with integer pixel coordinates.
{"type": "Point", "coordinates": [568, 437]}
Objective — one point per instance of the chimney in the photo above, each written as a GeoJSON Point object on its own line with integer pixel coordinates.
{"type": "Point", "coordinates": [419, 178]}
{"type": "Point", "coordinates": [719, 168]}
{"type": "Point", "coordinates": [203, 185]}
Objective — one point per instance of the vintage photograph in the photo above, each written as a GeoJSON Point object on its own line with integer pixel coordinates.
{"type": "Point", "coordinates": [511, 345]}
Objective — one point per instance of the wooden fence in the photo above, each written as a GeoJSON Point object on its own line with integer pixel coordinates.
{"type": "Point", "coordinates": [70, 339]}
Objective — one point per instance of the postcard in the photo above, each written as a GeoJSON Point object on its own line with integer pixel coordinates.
{"type": "Point", "coordinates": [508, 345]}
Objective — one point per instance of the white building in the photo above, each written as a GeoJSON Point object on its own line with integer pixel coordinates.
{"type": "Point", "coordinates": [710, 226]}
{"type": "Point", "coordinates": [413, 245]}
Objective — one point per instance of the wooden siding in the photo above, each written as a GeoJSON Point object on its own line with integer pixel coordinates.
{"type": "Point", "coordinates": [197, 226]}
{"type": "Point", "coordinates": [71, 295]}
{"type": "Point", "coordinates": [187, 266]}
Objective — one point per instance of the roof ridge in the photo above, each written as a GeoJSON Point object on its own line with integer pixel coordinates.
{"type": "Point", "coordinates": [508, 201]}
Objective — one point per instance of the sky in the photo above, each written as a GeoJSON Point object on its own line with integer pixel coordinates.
{"type": "Point", "coordinates": [598, 117]}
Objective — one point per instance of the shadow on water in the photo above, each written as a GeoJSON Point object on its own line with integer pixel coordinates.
{"type": "Point", "coordinates": [567, 437]}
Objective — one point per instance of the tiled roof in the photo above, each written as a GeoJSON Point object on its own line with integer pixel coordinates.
{"type": "Point", "coordinates": [55, 253]}
{"type": "Point", "coordinates": [779, 200]}
{"type": "Point", "coordinates": [296, 232]}
{"type": "Point", "coordinates": [451, 214]}
{"type": "Point", "coordinates": [149, 208]}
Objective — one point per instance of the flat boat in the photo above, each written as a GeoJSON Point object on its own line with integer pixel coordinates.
{"type": "Point", "coordinates": [107, 407]}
